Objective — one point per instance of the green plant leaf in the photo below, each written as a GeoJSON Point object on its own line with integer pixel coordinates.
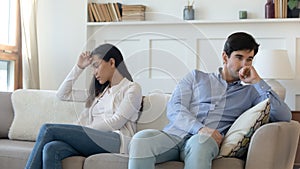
{"type": "Point", "coordinates": [292, 4]}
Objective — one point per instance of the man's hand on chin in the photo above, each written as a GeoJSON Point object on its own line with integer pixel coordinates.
{"type": "Point", "coordinates": [249, 75]}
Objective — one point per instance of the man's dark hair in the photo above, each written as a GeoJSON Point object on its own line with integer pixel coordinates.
{"type": "Point", "coordinates": [240, 41]}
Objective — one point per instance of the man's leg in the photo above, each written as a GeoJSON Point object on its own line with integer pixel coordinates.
{"type": "Point", "coordinates": [199, 151]}
{"type": "Point", "coordinates": [151, 146]}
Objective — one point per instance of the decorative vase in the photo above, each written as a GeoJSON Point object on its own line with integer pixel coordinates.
{"type": "Point", "coordinates": [242, 14]}
{"type": "Point", "coordinates": [188, 13]}
{"type": "Point", "coordinates": [269, 9]}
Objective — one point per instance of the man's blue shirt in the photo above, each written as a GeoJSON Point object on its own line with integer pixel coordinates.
{"type": "Point", "coordinates": [206, 99]}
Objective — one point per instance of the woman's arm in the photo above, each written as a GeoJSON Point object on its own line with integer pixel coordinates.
{"type": "Point", "coordinates": [66, 91]}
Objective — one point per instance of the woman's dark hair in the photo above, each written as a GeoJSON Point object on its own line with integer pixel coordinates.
{"type": "Point", "coordinates": [240, 41]}
{"type": "Point", "coordinates": [106, 52]}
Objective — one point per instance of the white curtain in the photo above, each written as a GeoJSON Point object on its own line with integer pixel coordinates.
{"type": "Point", "coordinates": [29, 44]}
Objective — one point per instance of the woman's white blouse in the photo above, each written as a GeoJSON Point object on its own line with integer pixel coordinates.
{"type": "Point", "coordinates": [115, 110]}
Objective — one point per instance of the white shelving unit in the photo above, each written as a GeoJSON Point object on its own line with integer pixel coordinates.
{"type": "Point", "coordinates": [159, 53]}
{"type": "Point", "coordinates": [245, 21]}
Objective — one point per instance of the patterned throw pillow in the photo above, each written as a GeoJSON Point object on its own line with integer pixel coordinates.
{"type": "Point", "coordinates": [236, 140]}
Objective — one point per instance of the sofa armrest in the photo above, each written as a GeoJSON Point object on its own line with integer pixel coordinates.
{"type": "Point", "coordinates": [273, 146]}
{"type": "Point", "coordinates": [74, 162]}
{"type": "Point", "coordinates": [6, 113]}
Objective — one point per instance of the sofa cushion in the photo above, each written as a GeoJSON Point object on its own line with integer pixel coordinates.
{"type": "Point", "coordinates": [120, 161]}
{"type": "Point", "coordinates": [107, 161]}
{"type": "Point", "coordinates": [6, 113]}
{"type": "Point", "coordinates": [33, 108]}
{"type": "Point", "coordinates": [14, 154]}
{"type": "Point", "coordinates": [154, 112]}
{"type": "Point", "coordinates": [221, 163]}
{"type": "Point", "coordinates": [15, 148]}
{"type": "Point", "coordinates": [236, 140]}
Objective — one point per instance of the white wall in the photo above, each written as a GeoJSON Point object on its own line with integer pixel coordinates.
{"type": "Point", "coordinates": [62, 36]}
{"type": "Point", "coordinates": [61, 27]}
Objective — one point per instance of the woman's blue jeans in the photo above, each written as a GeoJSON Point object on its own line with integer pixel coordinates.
{"type": "Point", "coordinates": [149, 147]}
{"type": "Point", "coordinates": [58, 141]}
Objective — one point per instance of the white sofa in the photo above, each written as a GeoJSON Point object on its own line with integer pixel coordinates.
{"type": "Point", "coordinates": [273, 146]}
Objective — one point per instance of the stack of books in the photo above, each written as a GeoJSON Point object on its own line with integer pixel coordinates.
{"type": "Point", "coordinates": [280, 8]}
{"type": "Point", "coordinates": [100, 12]}
{"type": "Point", "coordinates": [133, 12]}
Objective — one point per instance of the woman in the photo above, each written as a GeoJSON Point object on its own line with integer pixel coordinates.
{"type": "Point", "coordinates": [108, 121]}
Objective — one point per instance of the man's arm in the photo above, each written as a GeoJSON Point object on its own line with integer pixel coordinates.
{"type": "Point", "coordinates": [178, 107]}
{"type": "Point", "coordinates": [279, 110]}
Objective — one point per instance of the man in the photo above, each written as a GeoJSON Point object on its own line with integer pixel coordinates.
{"type": "Point", "coordinates": [204, 106]}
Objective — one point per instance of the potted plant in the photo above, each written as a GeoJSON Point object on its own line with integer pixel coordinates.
{"type": "Point", "coordinates": [293, 10]}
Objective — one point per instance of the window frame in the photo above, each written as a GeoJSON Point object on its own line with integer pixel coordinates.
{"type": "Point", "coordinates": [14, 52]}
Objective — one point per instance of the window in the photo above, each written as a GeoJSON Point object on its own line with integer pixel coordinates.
{"type": "Point", "coordinates": [6, 75]}
{"type": "Point", "coordinates": [8, 17]}
{"type": "Point", "coordinates": [10, 46]}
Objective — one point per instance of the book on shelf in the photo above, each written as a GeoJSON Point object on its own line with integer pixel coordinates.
{"type": "Point", "coordinates": [280, 8]}
{"type": "Point", "coordinates": [133, 12]}
{"type": "Point", "coordinates": [134, 7]}
{"type": "Point", "coordinates": [118, 7]}
{"type": "Point", "coordinates": [94, 13]}
{"type": "Point", "coordinates": [100, 12]}
{"type": "Point", "coordinates": [104, 12]}
{"type": "Point", "coordinates": [97, 13]}
{"type": "Point", "coordinates": [110, 12]}
{"type": "Point", "coordinates": [90, 13]}
{"type": "Point", "coordinates": [104, 9]}
{"type": "Point", "coordinates": [115, 12]}
{"type": "Point", "coordinates": [125, 12]}
{"type": "Point", "coordinates": [133, 18]}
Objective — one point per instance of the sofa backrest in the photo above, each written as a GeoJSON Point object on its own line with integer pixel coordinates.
{"type": "Point", "coordinates": [6, 113]}
{"type": "Point", "coordinates": [32, 108]}
{"type": "Point", "coordinates": [154, 112]}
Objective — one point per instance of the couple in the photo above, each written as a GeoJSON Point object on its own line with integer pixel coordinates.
{"type": "Point", "coordinates": [113, 101]}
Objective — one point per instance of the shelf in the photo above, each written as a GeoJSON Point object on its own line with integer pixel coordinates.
{"type": "Point", "coordinates": [286, 20]}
